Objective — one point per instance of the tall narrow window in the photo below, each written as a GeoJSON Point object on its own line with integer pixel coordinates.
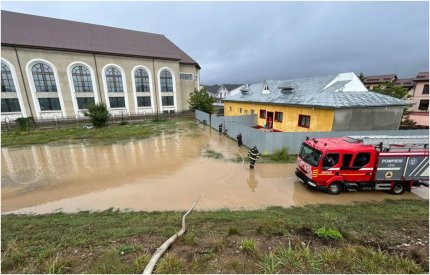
{"type": "Point", "coordinates": [114, 80]}
{"type": "Point", "coordinates": [6, 79]}
{"type": "Point", "coordinates": [166, 81]}
{"type": "Point", "coordinates": [43, 77]}
{"type": "Point", "coordinates": [426, 89]}
{"type": "Point", "coordinates": [82, 79]}
{"type": "Point", "coordinates": [141, 80]}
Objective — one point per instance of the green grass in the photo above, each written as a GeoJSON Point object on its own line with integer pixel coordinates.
{"type": "Point", "coordinates": [109, 134]}
{"type": "Point", "coordinates": [87, 242]}
{"type": "Point", "coordinates": [170, 264]}
{"type": "Point", "coordinates": [248, 246]}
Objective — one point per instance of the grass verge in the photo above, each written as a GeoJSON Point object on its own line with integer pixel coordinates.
{"type": "Point", "coordinates": [109, 134]}
{"type": "Point", "coordinates": [383, 237]}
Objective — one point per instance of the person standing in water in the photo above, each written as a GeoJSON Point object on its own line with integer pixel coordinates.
{"type": "Point", "coordinates": [253, 155]}
{"type": "Point", "coordinates": [220, 129]}
{"type": "Point", "coordinates": [239, 139]}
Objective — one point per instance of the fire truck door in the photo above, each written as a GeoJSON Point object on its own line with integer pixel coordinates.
{"type": "Point", "coordinates": [360, 168]}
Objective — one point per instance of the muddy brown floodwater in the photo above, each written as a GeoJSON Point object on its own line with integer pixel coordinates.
{"type": "Point", "coordinates": [167, 172]}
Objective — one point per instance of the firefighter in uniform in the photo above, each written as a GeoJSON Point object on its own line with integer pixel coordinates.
{"type": "Point", "coordinates": [253, 155]}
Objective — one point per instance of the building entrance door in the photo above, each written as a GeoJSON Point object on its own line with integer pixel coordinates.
{"type": "Point", "coordinates": [269, 120]}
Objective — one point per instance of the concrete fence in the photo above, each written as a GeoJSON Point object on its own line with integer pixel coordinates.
{"type": "Point", "coordinates": [269, 142]}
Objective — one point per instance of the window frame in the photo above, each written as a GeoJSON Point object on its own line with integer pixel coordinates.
{"type": "Point", "coordinates": [184, 76]}
{"type": "Point", "coordinates": [276, 115]}
{"type": "Point", "coordinates": [143, 83]}
{"type": "Point", "coordinates": [77, 102]}
{"type": "Point", "coordinates": [50, 103]}
{"type": "Point", "coordinates": [7, 75]}
{"type": "Point", "coordinates": [9, 111]}
{"type": "Point", "coordinates": [166, 82]}
{"type": "Point", "coordinates": [41, 78]}
{"type": "Point", "coordinates": [300, 120]}
{"type": "Point", "coordinates": [116, 101]}
{"type": "Point", "coordinates": [419, 105]}
{"type": "Point", "coordinates": [262, 111]}
{"type": "Point", "coordinates": [144, 106]}
{"type": "Point", "coordinates": [327, 167]}
{"type": "Point", "coordinates": [117, 80]}
{"type": "Point", "coordinates": [425, 89]}
{"type": "Point", "coordinates": [80, 77]}
{"type": "Point", "coordinates": [167, 96]}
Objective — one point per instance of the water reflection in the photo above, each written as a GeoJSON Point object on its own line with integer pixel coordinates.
{"type": "Point", "coordinates": [252, 182]}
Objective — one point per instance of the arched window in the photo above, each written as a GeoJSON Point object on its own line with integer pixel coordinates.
{"type": "Point", "coordinates": [141, 80]}
{"type": "Point", "coordinates": [6, 79]}
{"type": "Point", "coordinates": [82, 79]}
{"type": "Point", "coordinates": [166, 81]}
{"type": "Point", "coordinates": [43, 77]}
{"type": "Point", "coordinates": [114, 80]}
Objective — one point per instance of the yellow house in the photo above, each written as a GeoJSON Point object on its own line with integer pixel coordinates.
{"type": "Point", "coordinates": [319, 104]}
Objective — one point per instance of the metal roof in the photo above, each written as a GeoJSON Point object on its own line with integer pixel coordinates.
{"type": "Point", "coordinates": [311, 92]}
{"type": "Point", "coordinates": [32, 31]}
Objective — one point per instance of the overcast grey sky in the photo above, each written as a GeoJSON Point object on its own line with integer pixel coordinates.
{"type": "Point", "coordinates": [245, 42]}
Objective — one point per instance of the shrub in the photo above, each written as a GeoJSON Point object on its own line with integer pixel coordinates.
{"type": "Point", "coordinates": [328, 233]}
{"type": "Point", "coordinates": [248, 246]}
{"type": "Point", "coordinates": [280, 155]}
{"type": "Point", "coordinates": [98, 114]}
{"type": "Point", "coordinates": [25, 123]}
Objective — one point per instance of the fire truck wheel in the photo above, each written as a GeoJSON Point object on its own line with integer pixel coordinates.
{"type": "Point", "coordinates": [398, 188]}
{"type": "Point", "coordinates": [334, 188]}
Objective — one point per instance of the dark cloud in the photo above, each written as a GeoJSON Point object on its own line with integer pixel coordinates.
{"type": "Point", "coordinates": [238, 42]}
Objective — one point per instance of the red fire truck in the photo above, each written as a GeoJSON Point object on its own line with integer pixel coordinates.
{"type": "Point", "coordinates": [392, 163]}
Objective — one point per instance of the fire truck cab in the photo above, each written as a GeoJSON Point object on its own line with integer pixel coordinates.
{"type": "Point", "coordinates": [357, 163]}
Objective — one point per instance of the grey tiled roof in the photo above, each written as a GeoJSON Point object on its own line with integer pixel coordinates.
{"type": "Point", "coordinates": [230, 87]}
{"type": "Point", "coordinates": [213, 89]}
{"type": "Point", "coordinates": [311, 92]}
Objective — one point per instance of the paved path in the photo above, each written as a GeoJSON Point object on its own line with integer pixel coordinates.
{"type": "Point", "coordinates": [423, 192]}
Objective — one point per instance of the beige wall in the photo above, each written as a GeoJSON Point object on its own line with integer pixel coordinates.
{"type": "Point", "coordinates": [61, 60]}
{"type": "Point", "coordinates": [418, 95]}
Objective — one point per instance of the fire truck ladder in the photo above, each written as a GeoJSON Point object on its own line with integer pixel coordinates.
{"type": "Point", "coordinates": [398, 142]}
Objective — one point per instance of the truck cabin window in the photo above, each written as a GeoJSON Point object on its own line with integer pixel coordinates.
{"type": "Point", "coordinates": [330, 160]}
{"type": "Point", "coordinates": [361, 160]}
{"type": "Point", "coordinates": [346, 161]}
{"type": "Point", "coordinates": [310, 155]}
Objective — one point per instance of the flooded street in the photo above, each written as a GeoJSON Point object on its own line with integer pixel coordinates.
{"type": "Point", "coordinates": [167, 172]}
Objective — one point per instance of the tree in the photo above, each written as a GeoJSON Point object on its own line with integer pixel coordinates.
{"type": "Point", "coordinates": [201, 100]}
{"type": "Point", "coordinates": [98, 114]}
{"type": "Point", "coordinates": [361, 76]}
{"type": "Point", "coordinates": [388, 88]}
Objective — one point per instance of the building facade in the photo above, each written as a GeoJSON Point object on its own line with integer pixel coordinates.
{"type": "Point", "coordinates": [220, 92]}
{"type": "Point", "coordinates": [319, 104]}
{"type": "Point", "coordinates": [54, 68]}
{"type": "Point", "coordinates": [420, 97]}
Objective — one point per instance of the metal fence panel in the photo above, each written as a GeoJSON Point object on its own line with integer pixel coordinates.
{"type": "Point", "coordinates": [269, 142]}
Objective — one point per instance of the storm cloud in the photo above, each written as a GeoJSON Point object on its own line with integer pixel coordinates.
{"type": "Point", "coordinates": [246, 42]}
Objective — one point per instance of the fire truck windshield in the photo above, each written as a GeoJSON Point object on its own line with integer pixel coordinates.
{"type": "Point", "coordinates": [310, 155]}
